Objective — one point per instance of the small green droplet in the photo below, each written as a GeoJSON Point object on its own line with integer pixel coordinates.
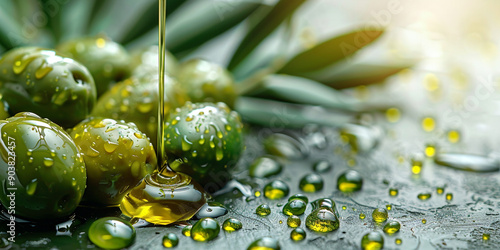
{"type": "Point", "coordinates": [392, 227]}
{"type": "Point", "coordinates": [186, 231]}
{"type": "Point", "coordinates": [298, 234]}
{"type": "Point", "coordinates": [350, 181]}
{"type": "Point", "coordinates": [263, 210]}
{"type": "Point", "coordinates": [380, 215]}
{"type": "Point", "coordinates": [293, 221]}
{"type": "Point", "coordinates": [311, 183]}
{"type": "Point", "coordinates": [111, 233]}
{"type": "Point", "coordinates": [170, 240]}
{"type": "Point", "coordinates": [276, 190]}
{"type": "Point", "coordinates": [265, 243]}
{"type": "Point", "coordinates": [295, 207]}
{"type": "Point", "coordinates": [205, 229]}
{"type": "Point", "coordinates": [231, 225]}
{"type": "Point", "coordinates": [372, 241]}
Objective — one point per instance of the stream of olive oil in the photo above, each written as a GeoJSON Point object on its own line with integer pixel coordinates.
{"type": "Point", "coordinates": [161, 153]}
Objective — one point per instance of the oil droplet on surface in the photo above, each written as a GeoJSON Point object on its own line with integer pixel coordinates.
{"type": "Point", "coordinates": [147, 201]}
{"type": "Point", "coordinates": [212, 210]}
{"type": "Point", "coordinates": [257, 193]}
{"type": "Point", "coordinates": [186, 231]}
{"type": "Point", "coordinates": [205, 229]}
{"type": "Point", "coordinates": [380, 215]}
{"type": "Point", "coordinates": [110, 147]}
{"type": "Point", "coordinates": [440, 190]}
{"type": "Point", "coordinates": [453, 136]}
{"type": "Point", "coordinates": [424, 196]}
{"type": "Point", "coordinates": [486, 237]}
{"type": "Point", "coordinates": [430, 150]}
{"type": "Point", "coordinates": [344, 207]}
{"type": "Point", "coordinates": [170, 240]}
{"type": "Point", "coordinates": [392, 115]}
{"type": "Point", "coordinates": [48, 162]}
{"type": "Point", "coordinates": [428, 124]}
{"type": "Point", "coordinates": [424, 221]}
{"type": "Point", "coordinates": [298, 234]}
{"type": "Point", "coordinates": [42, 71]}
{"type": "Point", "coordinates": [392, 227]}
{"type": "Point", "coordinates": [276, 190]}
{"type": "Point", "coordinates": [362, 216]}
{"type": "Point", "coordinates": [100, 42]}
{"type": "Point", "coordinates": [398, 241]}
{"type": "Point", "coordinates": [265, 243]}
{"type": "Point", "coordinates": [282, 145]}
{"type": "Point", "coordinates": [322, 166]}
{"type": "Point", "coordinates": [468, 162]}
{"type": "Point", "coordinates": [449, 196]}
{"type": "Point", "coordinates": [293, 221]}
{"type": "Point", "coordinates": [388, 207]}
{"type": "Point", "coordinates": [324, 217]}
{"type": "Point", "coordinates": [431, 82]}
{"type": "Point", "coordinates": [231, 225]}
{"type": "Point", "coordinates": [111, 233]}
{"type": "Point", "coordinates": [300, 197]}
{"type": "Point", "coordinates": [264, 167]}
{"type": "Point", "coordinates": [31, 187]}
{"type": "Point", "coordinates": [393, 192]}
{"type": "Point", "coordinates": [295, 207]}
{"type": "Point", "coordinates": [350, 181]}
{"type": "Point", "coordinates": [311, 183]}
{"type": "Point", "coordinates": [263, 210]}
{"type": "Point", "coordinates": [372, 241]}
{"type": "Point", "coordinates": [416, 164]}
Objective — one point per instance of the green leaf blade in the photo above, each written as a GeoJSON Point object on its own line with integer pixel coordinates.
{"type": "Point", "coordinates": [282, 10]}
{"type": "Point", "coordinates": [330, 52]}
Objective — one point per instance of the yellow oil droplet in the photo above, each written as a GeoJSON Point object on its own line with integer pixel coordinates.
{"type": "Point", "coordinates": [110, 147]}
{"type": "Point", "coordinates": [48, 162]}
{"type": "Point", "coordinates": [428, 124]}
{"type": "Point", "coordinates": [189, 118]}
{"type": "Point", "coordinates": [424, 221]}
{"type": "Point", "coordinates": [31, 187]}
{"type": "Point", "coordinates": [42, 72]}
{"type": "Point", "coordinates": [144, 107]}
{"type": "Point", "coordinates": [453, 136]}
{"type": "Point", "coordinates": [416, 166]}
{"type": "Point", "coordinates": [138, 135]}
{"type": "Point", "coordinates": [281, 222]}
{"type": "Point", "coordinates": [124, 108]}
{"type": "Point", "coordinates": [219, 154]}
{"type": "Point", "coordinates": [125, 92]}
{"type": "Point", "coordinates": [127, 142]}
{"type": "Point", "coordinates": [486, 237]}
{"type": "Point", "coordinates": [219, 134]}
{"type": "Point", "coordinates": [100, 125]}
{"type": "Point", "coordinates": [194, 153]}
{"type": "Point", "coordinates": [110, 129]}
{"type": "Point", "coordinates": [206, 131]}
{"type": "Point", "coordinates": [398, 241]}
{"type": "Point", "coordinates": [424, 196]}
{"type": "Point", "coordinates": [430, 150]}
{"type": "Point", "coordinates": [362, 216]}
{"type": "Point", "coordinates": [29, 152]}
{"type": "Point", "coordinates": [439, 190]}
{"type": "Point", "coordinates": [20, 65]}
{"type": "Point", "coordinates": [393, 192]}
{"type": "Point", "coordinates": [175, 121]}
{"type": "Point", "coordinates": [257, 194]}
{"type": "Point", "coordinates": [388, 207]}
{"type": "Point", "coordinates": [186, 145]}
{"type": "Point", "coordinates": [393, 115]}
{"type": "Point", "coordinates": [228, 127]}
{"type": "Point", "coordinates": [30, 160]}
{"type": "Point", "coordinates": [212, 144]}
{"type": "Point", "coordinates": [449, 196]}
{"type": "Point", "coordinates": [431, 82]}
{"type": "Point", "coordinates": [201, 141]}
{"type": "Point", "coordinates": [100, 42]}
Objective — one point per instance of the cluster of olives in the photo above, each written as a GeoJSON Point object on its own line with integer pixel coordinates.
{"type": "Point", "coordinates": [80, 124]}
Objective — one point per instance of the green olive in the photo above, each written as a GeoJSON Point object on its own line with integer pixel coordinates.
{"type": "Point", "coordinates": [107, 61]}
{"type": "Point", "coordinates": [207, 82]}
{"type": "Point", "coordinates": [145, 62]}
{"type": "Point", "coordinates": [117, 156]}
{"type": "Point", "coordinates": [136, 100]}
{"type": "Point", "coordinates": [43, 175]}
{"type": "Point", "coordinates": [204, 140]}
{"type": "Point", "coordinates": [41, 81]}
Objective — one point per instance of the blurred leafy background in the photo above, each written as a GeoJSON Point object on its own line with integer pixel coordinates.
{"type": "Point", "coordinates": [256, 40]}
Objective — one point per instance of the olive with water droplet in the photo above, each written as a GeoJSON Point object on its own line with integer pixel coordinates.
{"type": "Point", "coordinates": [144, 62]}
{"type": "Point", "coordinates": [111, 233]}
{"type": "Point", "coordinates": [266, 243]}
{"type": "Point", "coordinates": [264, 167]}
{"type": "Point", "coordinates": [276, 190]}
{"type": "Point", "coordinates": [136, 100]}
{"type": "Point", "coordinates": [214, 132]}
{"type": "Point", "coordinates": [205, 229]}
{"type": "Point", "coordinates": [231, 225]}
{"type": "Point", "coordinates": [107, 61]}
{"type": "Point", "coordinates": [48, 186]}
{"type": "Point", "coordinates": [207, 82]}
{"type": "Point", "coordinates": [117, 156]}
{"type": "Point", "coordinates": [44, 82]}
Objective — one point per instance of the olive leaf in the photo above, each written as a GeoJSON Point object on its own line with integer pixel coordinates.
{"type": "Point", "coordinates": [329, 52]}
{"type": "Point", "coordinates": [275, 114]}
{"type": "Point", "coordinates": [200, 21]}
{"type": "Point", "coordinates": [305, 91]}
{"type": "Point", "coordinates": [281, 11]}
